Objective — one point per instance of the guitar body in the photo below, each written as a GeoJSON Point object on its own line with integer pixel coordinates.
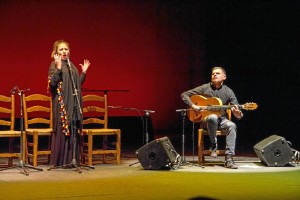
{"type": "Point", "coordinates": [199, 100]}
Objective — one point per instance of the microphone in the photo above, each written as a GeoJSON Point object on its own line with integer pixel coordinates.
{"type": "Point", "coordinates": [68, 62]}
{"type": "Point", "coordinates": [16, 89]}
{"type": "Point", "coordinates": [114, 106]}
{"type": "Point", "coordinates": [13, 91]}
{"type": "Point", "coordinates": [129, 108]}
{"type": "Point", "coordinates": [149, 111]}
{"type": "Point", "coordinates": [188, 109]}
{"type": "Point", "coordinates": [181, 110]}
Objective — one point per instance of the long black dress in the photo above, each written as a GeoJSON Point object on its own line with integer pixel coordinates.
{"type": "Point", "coordinates": [66, 112]}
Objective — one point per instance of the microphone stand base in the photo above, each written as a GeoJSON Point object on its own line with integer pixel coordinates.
{"type": "Point", "coordinates": [72, 166]}
{"type": "Point", "coordinates": [23, 167]}
{"type": "Point", "coordinates": [134, 163]}
{"type": "Point", "coordinates": [186, 163]}
{"type": "Point", "coordinates": [183, 161]}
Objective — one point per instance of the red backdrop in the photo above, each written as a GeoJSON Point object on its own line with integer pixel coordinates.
{"type": "Point", "coordinates": [134, 46]}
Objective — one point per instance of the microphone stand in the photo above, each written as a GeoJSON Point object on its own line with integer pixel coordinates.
{"type": "Point", "coordinates": [74, 127]}
{"type": "Point", "coordinates": [24, 167]}
{"type": "Point", "coordinates": [145, 124]}
{"type": "Point", "coordinates": [147, 114]}
{"type": "Point", "coordinates": [183, 115]}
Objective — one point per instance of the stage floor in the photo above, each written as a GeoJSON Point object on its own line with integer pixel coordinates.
{"type": "Point", "coordinates": [130, 164]}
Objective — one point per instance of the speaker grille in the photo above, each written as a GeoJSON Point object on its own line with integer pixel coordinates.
{"type": "Point", "coordinates": [274, 151]}
{"type": "Point", "coordinates": [157, 154]}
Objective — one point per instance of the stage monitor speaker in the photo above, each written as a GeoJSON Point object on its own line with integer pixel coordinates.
{"type": "Point", "coordinates": [157, 154]}
{"type": "Point", "coordinates": [274, 151]}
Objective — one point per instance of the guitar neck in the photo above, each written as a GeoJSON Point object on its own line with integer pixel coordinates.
{"type": "Point", "coordinates": [219, 107]}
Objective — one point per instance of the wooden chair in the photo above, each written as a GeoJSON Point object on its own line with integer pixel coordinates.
{"type": "Point", "coordinates": [202, 151]}
{"type": "Point", "coordinates": [7, 124]}
{"type": "Point", "coordinates": [95, 123]}
{"type": "Point", "coordinates": [38, 125]}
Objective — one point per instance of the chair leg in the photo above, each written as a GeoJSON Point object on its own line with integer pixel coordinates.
{"type": "Point", "coordinates": [200, 147]}
{"type": "Point", "coordinates": [104, 145]}
{"type": "Point", "coordinates": [82, 160]}
{"type": "Point", "coordinates": [118, 147]}
{"type": "Point", "coordinates": [10, 150]}
{"type": "Point", "coordinates": [90, 149]}
{"type": "Point", "coordinates": [25, 148]}
{"type": "Point", "coordinates": [35, 148]}
{"type": "Point", "coordinates": [49, 148]}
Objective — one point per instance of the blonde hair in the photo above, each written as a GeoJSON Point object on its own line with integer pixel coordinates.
{"type": "Point", "coordinates": [55, 46]}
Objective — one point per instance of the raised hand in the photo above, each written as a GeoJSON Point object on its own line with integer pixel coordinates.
{"type": "Point", "coordinates": [85, 65]}
{"type": "Point", "coordinates": [57, 60]}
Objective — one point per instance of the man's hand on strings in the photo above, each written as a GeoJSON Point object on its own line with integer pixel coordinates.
{"type": "Point", "coordinates": [237, 112]}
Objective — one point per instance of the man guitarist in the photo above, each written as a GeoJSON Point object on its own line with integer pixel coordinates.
{"type": "Point", "coordinates": [217, 88]}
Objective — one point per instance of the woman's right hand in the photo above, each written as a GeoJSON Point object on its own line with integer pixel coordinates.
{"type": "Point", "coordinates": [57, 60]}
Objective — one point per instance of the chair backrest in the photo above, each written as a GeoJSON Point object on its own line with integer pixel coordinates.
{"type": "Point", "coordinates": [95, 110]}
{"type": "Point", "coordinates": [7, 112]}
{"type": "Point", "coordinates": [37, 111]}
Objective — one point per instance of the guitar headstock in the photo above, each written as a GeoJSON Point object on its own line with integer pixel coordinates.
{"type": "Point", "coordinates": [250, 106]}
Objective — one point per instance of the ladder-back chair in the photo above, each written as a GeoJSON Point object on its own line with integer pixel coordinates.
{"type": "Point", "coordinates": [7, 124]}
{"type": "Point", "coordinates": [202, 151]}
{"type": "Point", "coordinates": [95, 124]}
{"type": "Point", "coordinates": [38, 126]}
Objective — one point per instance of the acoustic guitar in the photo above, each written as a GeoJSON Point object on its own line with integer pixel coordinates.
{"type": "Point", "coordinates": [212, 105]}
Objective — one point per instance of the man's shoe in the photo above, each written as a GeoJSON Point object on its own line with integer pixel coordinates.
{"type": "Point", "coordinates": [230, 164]}
{"type": "Point", "coordinates": [213, 150]}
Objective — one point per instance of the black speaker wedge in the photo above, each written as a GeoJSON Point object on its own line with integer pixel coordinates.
{"type": "Point", "coordinates": [157, 154]}
{"type": "Point", "coordinates": [274, 151]}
